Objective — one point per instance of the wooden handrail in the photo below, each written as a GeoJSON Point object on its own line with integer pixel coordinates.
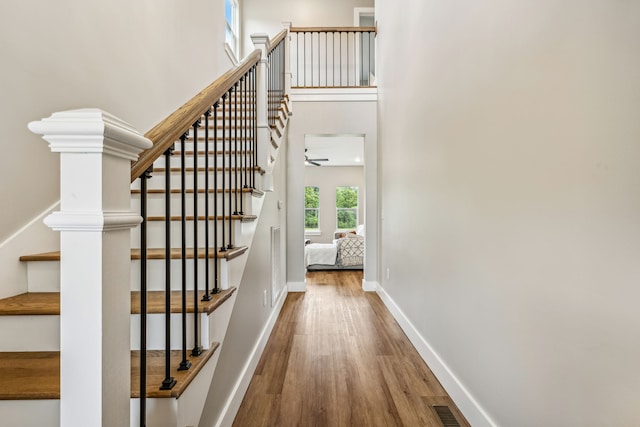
{"type": "Point", "coordinates": [277, 39]}
{"type": "Point", "coordinates": [334, 30]}
{"type": "Point", "coordinates": [169, 130]}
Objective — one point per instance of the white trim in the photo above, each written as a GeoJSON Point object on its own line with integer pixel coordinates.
{"type": "Point", "coordinates": [24, 228]}
{"type": "Point", "coordinates": [370, 286]}
{"type": "Point", "coordinates": [231, 54]}
{"type": "Point", "coordinates": [91, 130]}
{"type": "Point", "coordinates": [234, 400]}
{"type": "Point", "coordinates": [334, 94]}
{"type": "Point", "coordinates": [297, 287]}
{"type": "Point", "coordinates": [362, 11]}
{"type": "Point", "coordinates": [92, 221]}
{"type": "Point", "coordinates": [470, 408]}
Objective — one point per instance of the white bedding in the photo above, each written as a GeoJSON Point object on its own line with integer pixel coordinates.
{"type": "Point", "coordinates": [320, 253]}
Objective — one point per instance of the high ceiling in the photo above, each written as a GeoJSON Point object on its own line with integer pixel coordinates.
{"type": "Point", "coordinates": [341, 150]}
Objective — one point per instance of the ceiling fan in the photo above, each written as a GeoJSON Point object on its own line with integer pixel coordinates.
{"type": "Point", "coordinates": [313, 162]}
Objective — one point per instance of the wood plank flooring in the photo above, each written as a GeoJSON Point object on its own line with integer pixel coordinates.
{"type": "Point", "coordinates": [336, 357]}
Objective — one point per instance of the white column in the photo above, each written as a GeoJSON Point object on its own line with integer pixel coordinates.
{"type": "Point", "coordinates": [96, 150]}
{"type": "Point", "coordinates": [261, 41]}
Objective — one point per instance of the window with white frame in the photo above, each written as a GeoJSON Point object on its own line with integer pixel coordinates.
{"type": "Point", "coordinates": [311, 208]}
{"type": "Point", "coordinates": [346, 208]}
{"type": "Point", "coordinates": [231, 14]}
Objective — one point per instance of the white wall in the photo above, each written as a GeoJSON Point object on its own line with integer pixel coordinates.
{"type": "Point", "coordinates": [509, 147]}
{"type": "Point", "coordinates": [260, 16]}
{"type": "Point", "coordinates": [249, 315]}
{"type": "Point", "coordinates": [327, 178]}
{"type": "Point", "coordinates": [138, 60]}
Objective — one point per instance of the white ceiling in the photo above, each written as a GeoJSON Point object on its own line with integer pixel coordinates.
{"type": "Point", "coordinates": [341, 150]}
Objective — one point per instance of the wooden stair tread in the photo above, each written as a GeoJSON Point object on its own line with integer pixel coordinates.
{"type": "Point", "coordinates": [152, 253]}
{"type": "Point", "coordinates": [243, 218]}
{"type": "Point", "coordinates": [190, 190]}
{"type": "Point", "coordinates": [48, 303]}
{"type": "Point", "coordinates": [35, 375]}
{"type": "Point", "coordinates": [156, 372]}
{"type": "Point", "coordinates": [156, 301]}
{"type": "Point", "coordinates": [211, 169]}
{"type": "Point", "coordinates": [212, 152]}
{"type": "Point", "coordinates": [31, 303]}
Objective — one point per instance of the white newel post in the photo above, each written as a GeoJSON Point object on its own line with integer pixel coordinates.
{"type": "Point", "coordinates": [261, 41]}
{"type": "Point", "coordinates": [287, 62]}
{"type": "Point", "coordinates": [95, 218]}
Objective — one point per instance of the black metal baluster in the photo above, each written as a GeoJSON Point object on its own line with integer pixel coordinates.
{"type": "Point", "coordinates": [230, 170]}
{"type": "Point", "coordinates": [235, 155]}
{"type": "Point", "coordinates": [207, 219]}
{"type": "Point", "coordinates": [169, 382]}
{"type": "Point", "coordinates": [223, 247]}
{"type": "Point", "coordinates": [216, 288]}
{"type": "Point", "coordinates": [143, 296]}
{"type": "Point", "coordinates": [197, 348]}
{"type": "Point", "coordinates": [184, 363]}
{"type": "Point", "coordinates": [244, 139]}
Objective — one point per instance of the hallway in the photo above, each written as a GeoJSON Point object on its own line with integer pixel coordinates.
{"type": "Point", "coordinates": [337, 357]}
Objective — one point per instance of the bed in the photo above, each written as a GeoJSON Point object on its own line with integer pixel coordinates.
{"type": "Point", "coordinates": [346, 252]}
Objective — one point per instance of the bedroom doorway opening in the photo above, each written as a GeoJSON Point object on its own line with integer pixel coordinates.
{"type": "Point", "coordinates": [334, 201]}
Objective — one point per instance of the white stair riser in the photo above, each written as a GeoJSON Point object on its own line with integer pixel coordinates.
{"type": "Point", "coordinates": [229, 160]}
{"type": "Point", "coordinates": [44, 276]}
{"type": "Point", "coordinates": [156, 204]}
{"type": "Point", "coordinates": [156, 274]}
{"type": "Point", "coordinates": [30, 413]}
{"type": "Point", "coordinates": [244, 143]}
{"type": "Point", "coordinates": [156, 328]}
{"type": "Point", "coordinates": [42, 333]}
{"type": "Point", "coordinates": [157, 180]}
{"type": "Point", "coordinates": [30, 333]}
{"type": "Point", "coordinates": [156, 234]}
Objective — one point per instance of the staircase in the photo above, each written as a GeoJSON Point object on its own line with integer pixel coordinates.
{"type": "Point", "coordinates": [190, 252]}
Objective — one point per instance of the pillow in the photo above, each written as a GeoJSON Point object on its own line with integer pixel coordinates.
{"type": "Point", "coordinates": [360, 230]}
{"type": "Point", "coordinates": [350, 233]}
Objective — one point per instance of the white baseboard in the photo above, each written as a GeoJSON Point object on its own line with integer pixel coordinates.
{"type": "Point", "coordinates": [234, 400]}
{"type": "Point", "coordinates": [370, 286]}
{"type": "Point", "coordinates": [469, 407]}
{"type": "Point", "coordinates": [297, 286]}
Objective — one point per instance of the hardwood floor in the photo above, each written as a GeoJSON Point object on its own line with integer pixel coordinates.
{"type": "Point", "coordinates": [336, 357]}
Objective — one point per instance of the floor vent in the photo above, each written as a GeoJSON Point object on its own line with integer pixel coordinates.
{"type": "Point", "coordinates": [446, 416]}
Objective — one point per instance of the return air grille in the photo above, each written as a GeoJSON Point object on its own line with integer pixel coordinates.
{"type": "Point", "coordinates": [446, 416]}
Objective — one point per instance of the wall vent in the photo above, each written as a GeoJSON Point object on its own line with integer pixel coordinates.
{"type": "Point", "coordinates": [447, 419]}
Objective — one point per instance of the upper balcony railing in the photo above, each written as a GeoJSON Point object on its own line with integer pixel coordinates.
{"type": "Point", "coordinates": [330, 57]}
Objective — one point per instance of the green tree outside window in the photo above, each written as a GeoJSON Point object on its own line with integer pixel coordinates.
{"type": "Point", "coordinates": [346, 207]}
{"type": "Point", "coordinates": [311, 208]}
